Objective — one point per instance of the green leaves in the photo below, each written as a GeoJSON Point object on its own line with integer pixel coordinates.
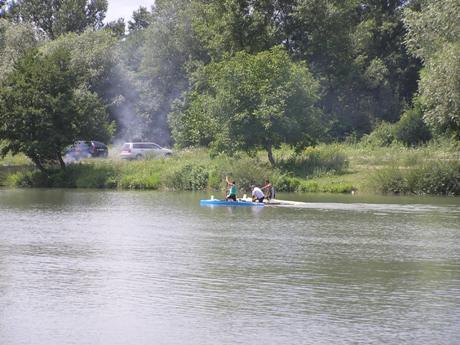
{"type": "Point", "coordinates": [15, 39]}
{"type": "Point", "coordinates": [47, 103]}
{"type": "Point", "coordinates": [57, 17]}
{"type": "Point", "coordinates": [249, 102]}
{"type": "Point", "coordinates": [434, 36]}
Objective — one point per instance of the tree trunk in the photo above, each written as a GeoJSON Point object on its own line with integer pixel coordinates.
{"type": "Point", "coordinates": [38, 164]}
{"type": "Point", "coordinates": [61, 161]}
{"type": "Point", "coordinates": [270, 155]}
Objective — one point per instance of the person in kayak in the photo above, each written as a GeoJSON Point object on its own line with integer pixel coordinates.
{"type": "Point", "coordinates": [270, 190]}
{"type": "Point", "coordinates": [257, 194]}
{"type": "Point", "coordinates": [232, 190]}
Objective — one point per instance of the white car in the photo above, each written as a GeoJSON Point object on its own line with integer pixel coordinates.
{"type": "Point", "coordinates": [141, 150]}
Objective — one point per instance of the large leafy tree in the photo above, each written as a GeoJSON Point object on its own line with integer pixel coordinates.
{"type": "Point", "coordinates": [141, 19]}
{"type": "Point", "coordinates": [15, 39]}
{"type": "Point", "coordinates": [250, 102]}
{"type": "Point", "coordinates": [50, 98]}
{"type": "Point", "coordinates": [356, 49]}
{"type": "Point", "coordinates": [56, 17]}
{"type": "Point", "coordinates": [230, 26]}
{"type": "Point", "coordinates": [155, 59]}
{"type": "Point", "coordinates": [434, 36]}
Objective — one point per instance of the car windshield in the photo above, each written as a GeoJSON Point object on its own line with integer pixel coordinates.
{"type": "Point", "coordinates": [82, 146]}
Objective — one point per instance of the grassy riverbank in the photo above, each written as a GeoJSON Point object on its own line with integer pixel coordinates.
{"type": "Point", "coordinates": [335, 168]}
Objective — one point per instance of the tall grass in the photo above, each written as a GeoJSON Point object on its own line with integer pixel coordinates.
{"type": "Point", "coordinates": [396, 154]}
{"type": "Point", "coordinates": [438, 178]}
{"type": "Point", "coordinates": [433, 168]}
{"type": "Point", "coordinates": [16, 160]}
{"type": "Point", "coordinates": [314, 161]}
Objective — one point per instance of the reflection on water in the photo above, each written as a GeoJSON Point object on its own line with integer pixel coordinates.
{"type": "Point", "coordinates": [93, 267]}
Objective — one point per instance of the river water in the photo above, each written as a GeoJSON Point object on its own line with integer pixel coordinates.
{"type": "Point", "coordinates": [107, 267]}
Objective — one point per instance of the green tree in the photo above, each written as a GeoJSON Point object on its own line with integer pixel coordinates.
{"type": "Point", "coordinates": [95, 58]}
{"type": "Point", "coordinates": [411, 129]}
{"type": "Point", "coordinates": [92, 58]}
{"type": "Point", "coordinates": [47, 103]}
{"type": "Point", "coordinates": [434, 36]}
{"type": "Point", "coordinates": [141, 19]}
{"type": "Point", "coordinates": [230, 26]}
{"type": "Point", "coordinates": [15, 39]}
{"type": "Point", "coordinates": [356, 49]}
{"type": "Point", "coordinates": [250, 102]}
{"type": "Point", "coordinates": [56, 17]}
{"type": "Point", "coordinates": [155, 61]}
{"type": "Point", "coordinates": [117, 27]}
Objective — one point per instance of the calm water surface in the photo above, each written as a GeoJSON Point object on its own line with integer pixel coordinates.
{"type": "Point", "coordinates": [97, 267]}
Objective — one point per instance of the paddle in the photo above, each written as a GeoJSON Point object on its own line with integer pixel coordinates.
{"type": "Point", "coordinates": [226, 187]}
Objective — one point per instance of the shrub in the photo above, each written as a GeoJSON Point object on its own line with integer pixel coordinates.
{"type": "Point", "coordinates": [287, 184]}
{"type": "Point", "coordinates": [330, 187]}
{"type": "Point", "coordinates": [245, 170]}
{"type": "Point", "coordinates": [441, 178]}
{"type": "Point", "coordinates": [29, 179]}
{"type": "Point", "coordinates": [411, 128]}
{"type": "Point", "coordinates": [309, 186]}
{"type": "Point", "coordinates": [338, 187]}
{"type": "Point", "coordinates": [315, 161]}
{"type": "Point", "coordinates": [95, 177]}
{"type": "Point", "coordinates": [189, 177]}
{"type": "Point", "coordinates": [390, 180]}
{"type": "Point", "coordinates": [382, 135]}
{"type": "Point", "coordinates": [139, 181]}
{"type": "Point", "coordinates": [19, 179]}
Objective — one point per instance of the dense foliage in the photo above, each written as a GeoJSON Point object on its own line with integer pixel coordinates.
{"type": "Point", "coordinates": [57, 17]}
{"type": "Point", "coordinates": [434, 36]}
{"type": "Point", "coordinates": [233, 74]}
{"type": "Point", "coordinates": [48, 101]}
{"type": "Point", "coordinates": [15, 40]}
{"type": "Point", "coordinates": [250, 102]}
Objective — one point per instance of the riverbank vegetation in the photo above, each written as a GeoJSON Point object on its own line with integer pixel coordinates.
{"type": "Point", "coordinates": [326, 96]}
{"type": "Point", "coordinates": [433, 169]}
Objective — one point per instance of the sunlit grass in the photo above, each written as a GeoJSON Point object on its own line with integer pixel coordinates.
{"type": "Point", "coordinates": [16, 160]}
{"type": "Point", "coordinates": [333, 168]}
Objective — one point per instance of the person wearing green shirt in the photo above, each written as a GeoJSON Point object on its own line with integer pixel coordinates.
{"type": "Point", "coordinates": [232, 189]}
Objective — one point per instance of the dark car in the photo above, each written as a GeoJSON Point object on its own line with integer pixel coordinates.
{"type": "Point", "coordinates": [86, 149]}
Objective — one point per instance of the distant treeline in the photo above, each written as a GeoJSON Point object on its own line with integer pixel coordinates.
{"type": "Point", "coordinates": [234, 75]}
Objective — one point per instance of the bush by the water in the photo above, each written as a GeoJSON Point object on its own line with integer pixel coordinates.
{"type": "Point", "coordinates": [189, 177]}
{"type": "Point", "coordinates": [382, 135]}
{"type": "Point", "coordinates": [74, 176]}
{"type": "Point", "coordinates": [315, 161]}
{"type": "Point", "coordinates": [411, 129]}
{"type": "Point", "coordinates": [429, 169]}
{"type": "Point", "coordinates": [438, 178]}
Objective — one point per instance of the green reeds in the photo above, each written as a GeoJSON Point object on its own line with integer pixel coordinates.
{"type": "Point", "coordinates": [433, 168]}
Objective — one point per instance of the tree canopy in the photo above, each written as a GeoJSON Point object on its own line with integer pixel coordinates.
{"type": "Point", "coordinates": [57, 17]}
{"type": "Point", "coordinates": [434, 36]}
{"type": "Point", "coordinates": [244, 74]}
{"type": "Point", "coordinates": [250, 102]}
{"type": "Point", "coordinates": [48, 101]}
{"type": "Point", "coordinates": [15, 40]}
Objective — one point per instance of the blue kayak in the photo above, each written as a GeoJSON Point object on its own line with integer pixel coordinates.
{"type": "Point", "coordinates": [216, 202]}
